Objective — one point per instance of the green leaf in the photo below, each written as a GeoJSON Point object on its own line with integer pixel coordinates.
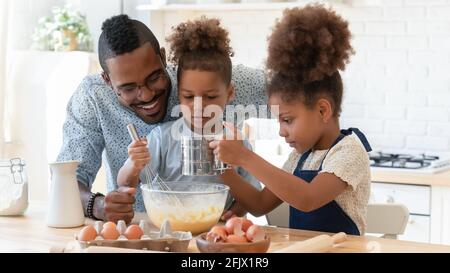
{"type": "Point", "coordinates": [47, 35]}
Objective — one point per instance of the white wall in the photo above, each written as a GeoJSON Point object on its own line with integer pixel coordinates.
{"type": "Point", "coordinates": [3, 33]}
{"type": "Point", "coordinates": [39, 86]}
{"type": "Point", "coordinates": [37, 108]}
{"type": "Point", "coordinates": [24, 108]}
{"type": "Point", "coordinates": [397, 87]}
{"type": "Point", "coordinates": [98, 11]}
{"type": "Point", "coordinates": [25, 15]}
{"type": "Point", "coordinates": [23, 18]}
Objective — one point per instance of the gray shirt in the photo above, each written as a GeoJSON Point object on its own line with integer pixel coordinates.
{"type": "Point", "coordinates": [95, 124]}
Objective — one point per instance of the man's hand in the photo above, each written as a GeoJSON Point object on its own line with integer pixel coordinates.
{"type": "Point", "coordinates": [116, 205]}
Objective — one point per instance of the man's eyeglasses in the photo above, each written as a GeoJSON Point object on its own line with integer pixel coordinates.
{"type": "Point", "coordinates": [131, 91]}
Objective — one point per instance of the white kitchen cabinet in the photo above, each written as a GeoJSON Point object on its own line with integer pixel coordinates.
{"type": "Point", "coordinates": [417, 229]}
{"type": "Point", "coordinates": [429, 208]}
{"type": "Point", "coordinates": [417, 198]}
{"type": "Point", "coordinates": [440, 221]}
{"type": "Point", "coordinates": [446, 218]}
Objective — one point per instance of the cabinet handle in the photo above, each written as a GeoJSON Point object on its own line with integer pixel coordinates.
{"type": "Point", "coordinates": [390, 199]}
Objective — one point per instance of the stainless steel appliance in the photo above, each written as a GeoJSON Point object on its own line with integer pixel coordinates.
{"type": "Point", "coordinates": [421, 163]}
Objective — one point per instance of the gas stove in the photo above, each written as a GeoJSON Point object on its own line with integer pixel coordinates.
{"type": "Point", "coordinates": [421, 163]}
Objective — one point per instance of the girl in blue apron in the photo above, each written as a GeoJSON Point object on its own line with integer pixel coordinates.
{"type": "Point", "coordinates": [330, 217]}
{"type": "Point", "coordinates": [306, 49]}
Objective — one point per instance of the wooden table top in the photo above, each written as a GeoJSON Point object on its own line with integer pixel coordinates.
{"type": "Point", "coordinates": [29, 233]}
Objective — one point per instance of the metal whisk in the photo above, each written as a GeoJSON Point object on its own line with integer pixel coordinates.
{"type": "Point", "coordinates": [151, 177]}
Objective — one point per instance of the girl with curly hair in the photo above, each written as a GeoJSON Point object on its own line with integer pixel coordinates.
{"type": "Point", "coordinates": [202, 53]}
{"type": "Point", "coordinates": [326, 180]}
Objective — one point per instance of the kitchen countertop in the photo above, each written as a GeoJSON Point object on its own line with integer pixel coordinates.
{"type": "Point", "coordinates": [29, 233]}
{"type": "Point", "coordinates": [437, 179]}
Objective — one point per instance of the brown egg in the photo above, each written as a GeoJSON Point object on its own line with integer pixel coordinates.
{"type": "Point", "coordinates": [88, 233]}
{"type": "Point", "coordinates": [217, 234]}
{"type": "Point", "coordinates": [109, 225]}
{"type": "Point", "coordinates": [246, 224]}
{"type": "Point", "coordinates": [236, 239]}
{"type": "Point", "coordinates": [133, 232]}
{"type": "Point", "coordinates": [255, 233]}
{"type": "Point", "coordinates": [220, 230]}
{"type": "Point", "coordinates": [109, 233]}
{"type": "Point", "coordinates": [234, 226]}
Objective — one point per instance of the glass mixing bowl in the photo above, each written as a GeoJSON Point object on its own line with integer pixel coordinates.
{"type": "Point", "coordinates": [188, 206]}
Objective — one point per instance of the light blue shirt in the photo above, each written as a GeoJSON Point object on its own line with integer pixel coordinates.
{"type": "Point", "coordinates": [95, 125]}
{"type": "Point", "coordinates": [165, 151]}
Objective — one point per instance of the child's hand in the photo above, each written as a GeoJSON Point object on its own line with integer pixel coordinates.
{"type": "Point", "coordinates": [139, 156]}
{"type": "Point", "coordinates": [230, 150]}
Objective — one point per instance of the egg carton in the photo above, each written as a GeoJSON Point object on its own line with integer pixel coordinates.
{"type": "Point", "coordinates": [163, 240]}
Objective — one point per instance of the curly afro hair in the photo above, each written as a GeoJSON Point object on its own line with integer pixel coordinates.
{"type": "Point", "coordinates": [307, 49]}
{"type": "Point", "coordinates": [201, 45]}
{"type": "Point", "coordinates": [121, 35]}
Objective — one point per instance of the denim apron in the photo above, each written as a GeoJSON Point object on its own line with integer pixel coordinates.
{"type": "Point", "coordinates": [331, 217]}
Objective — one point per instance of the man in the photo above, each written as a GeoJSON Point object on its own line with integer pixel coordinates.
{"type": "Point", "coordinates": [137, 87]}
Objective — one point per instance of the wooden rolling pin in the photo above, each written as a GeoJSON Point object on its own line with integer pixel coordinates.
{"type": "Point", "coordinates": [321, 243]}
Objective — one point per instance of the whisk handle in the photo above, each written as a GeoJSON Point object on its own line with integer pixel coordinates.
{"type": "Point", "coordinates": [132, 131]}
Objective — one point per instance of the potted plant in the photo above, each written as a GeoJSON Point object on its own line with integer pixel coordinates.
{"type": "Point", "coordinates": [64, 30]}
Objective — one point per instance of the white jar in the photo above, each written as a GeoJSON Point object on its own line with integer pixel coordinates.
{"type": "Point", "coordinates": [13, 187]}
